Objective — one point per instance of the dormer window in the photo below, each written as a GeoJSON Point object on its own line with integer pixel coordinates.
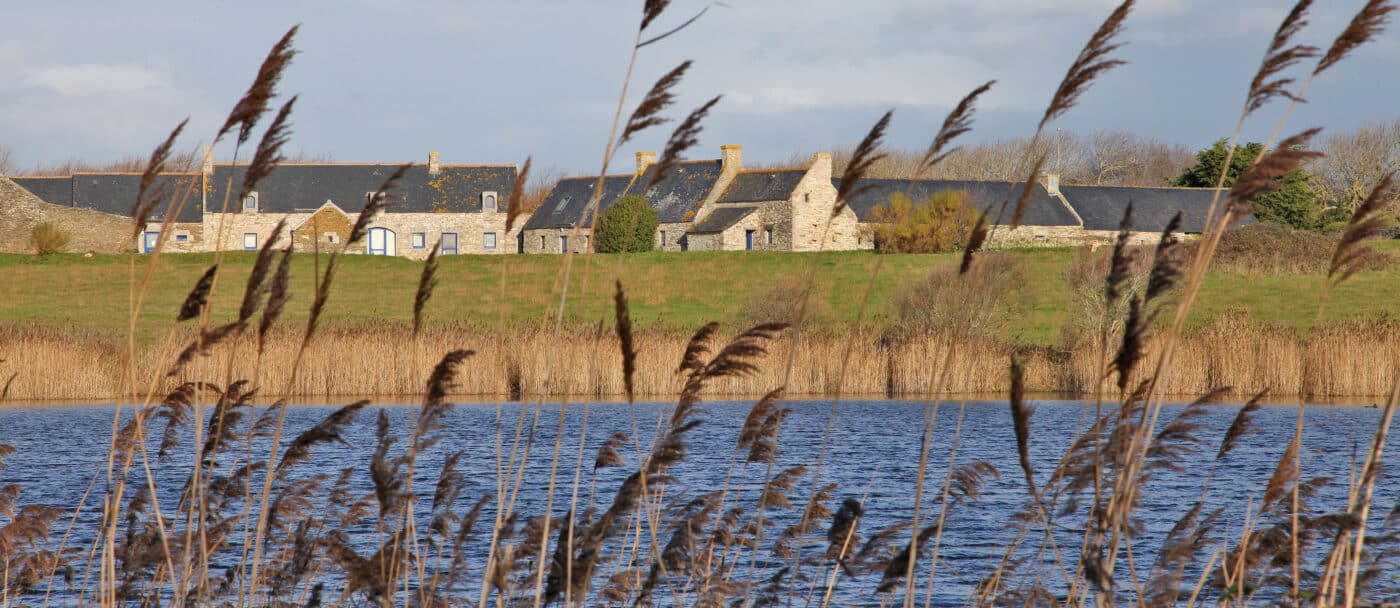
{"type": "Point", "coordinates": [250, 202]}
{"type": "Point", "coordinates": [488, 202]}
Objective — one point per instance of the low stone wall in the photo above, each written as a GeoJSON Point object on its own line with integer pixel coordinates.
{"type": "Point", "coordinates": [21, 211]}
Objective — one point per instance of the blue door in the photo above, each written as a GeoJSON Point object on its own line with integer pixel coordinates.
{"type": "Point", "coordinates": [748, 239]}
{"type": "Point", "coordinates": [148, 241]}
{"type": "Point", "coordinates": [381, 242]}
{"type": "Point", "coordinates": [449, 243]}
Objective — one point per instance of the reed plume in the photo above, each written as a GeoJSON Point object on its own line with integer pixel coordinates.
{"type": "Point", "coordinates": [656, 101]}
{"type": "Point", "coordinates": [328, 430]}
{"type": "Point", "coordinates": [254, 103]}
{"type": "Point", "coordinates": [975, 240]}
{"type": "Point", "coordinates": [257, 287]}
{"type": "Point", "coordinates": [1242, 425]}
{"type": "Point", "coordinates": [1019, 211]}
{"type": "Point", "coordinates": [427, 281]}
{"type": "Point", "coordinates": [148, 194]}
{"type": "Point", "coordinates": [624, 337]}
{"type": "Point", "coordinates": [375, 206]}
{"type": "Point", "coordinates": [1093, 61]}
{"type": "Point", "coordinates": [198, 296]}
{"type": "Point", "coordinates": [1281, 55]}
{"type": "Point", "coordinates": [203, 345]}
{"type": "Point", "coordinates": [279, 292]}
{"type": "Point", "coordinates": [842, 537]}
{"type": "Point", "coordinates": [651, 9]}
{"type": "Point", "coordinates": [608, 452]}
{"type": "Point", "coordinates": [683, 138]}
{"type": "Point", "coordinates": [1021, 422]}
{"type": "Point", "coordinates": [1262, 178]}
{"type": "Point", "coordinates": [958, 122]}
{"type": "Point", "coordinates": [269, 152]}
{"type": "Point", "coordinates": [1365, 223]}
{"type": "Point", "coordinates": [866, 154]}
{"type": "Point", "coordinates": [515, 205]}
{"type": "Point", "coordinates": [1165, 268]}
{"type": "Point", "coordinates": [1121, 262]}
{"type": "Point", "coordinates": [1368, 23]}
{"type": "Point", "coordinates": [697, 348]}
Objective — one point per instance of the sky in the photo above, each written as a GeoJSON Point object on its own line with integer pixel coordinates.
{"type": "Point", "coordinates": [495, 81]}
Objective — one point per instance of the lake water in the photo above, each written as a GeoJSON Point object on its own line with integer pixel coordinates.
{"type": "Point", "coordinates": [872, 455]}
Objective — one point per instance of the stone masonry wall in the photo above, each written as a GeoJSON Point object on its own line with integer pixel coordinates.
{"type": "Point", "coordinates": [184, 237]}
{"type": "Point", "coordinates": [471, 230]}
{"type": "Point", "coordinates": [88, 230]}
{"type": "Point", "coordinates": [325, 231]}
{"type": "Point", "coordinates": [812, 203]}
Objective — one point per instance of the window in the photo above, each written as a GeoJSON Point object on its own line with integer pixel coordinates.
{"type": "Point", "coordinates": [488, 201]}
{"type": "Point", "coordinates": [250, 203]}
{"type": "Point", "coordinates": [149, 240]}
{"type": "Point", "coordinates": [182, 238]}
{"type": "Point", "coordinates": [488, 240]}
{"type": "Point", "coordinates": [542, 245]}
{"type": "Point", "coordinates": [585, 243]}
{"type": "Point", "coordinates": [330, 237]}
{"type": "Point", "coordinates": [449, 243]}
{"type": "Point", "coordinates": [563, 244]}
{"type": "Point", "coordinates": [768, 236]}
{"type": "Point", "coordinates": [250, 240]}
{"type": "Point", "coordinates": [419, 240]}
{"type": "Point", "coordinates": [806, 197]}
{"type": "Point", "coordinates": [663, 239]}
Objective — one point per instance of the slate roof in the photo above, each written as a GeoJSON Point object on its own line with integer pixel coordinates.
{"type": "Point", "coordinates": [680, 194]}
{"type": "Point", "coordinates": [52, 190]}
{"type": "Point", "coordinates": [568, 201]}
{"type": "Point", "coordinates": [755, 186]}
{"type": "Point", "coordinates": [115, 193]}
{"type": "Point", "coordinates": [1102, 207]}
{"type": "Point", "coordinates": [1041, 210]}
{"type": "Point", "coordinates": [305, 187]}
{"type": "Point", "coordinates": [721, 219]}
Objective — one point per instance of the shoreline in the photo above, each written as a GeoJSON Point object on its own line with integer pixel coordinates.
{"type": "Point", "coordinates": [464, 400]}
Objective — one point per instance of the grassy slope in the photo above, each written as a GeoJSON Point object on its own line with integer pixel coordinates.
{"type": "Point", "coordinates": [671, 290]}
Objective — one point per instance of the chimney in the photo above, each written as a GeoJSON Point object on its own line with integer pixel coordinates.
{"type": "Point", "coordinates": [207, 167]}
{"type": "Point", "coordinates": [644, 160]}
{"type": "Point", "coordinates": [433, 167]}
{"type": "Point", "coordinates": [731, 158]}
{"type": "Point", "coordinates": [821, 166]}
{"type": "Point", "coordinates": [1051, 181]}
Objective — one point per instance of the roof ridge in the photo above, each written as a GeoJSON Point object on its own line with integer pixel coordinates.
{"type": "Point", "coordinates": [1135, 187]}
{"type": "Point", "coordinates": [779, 170]}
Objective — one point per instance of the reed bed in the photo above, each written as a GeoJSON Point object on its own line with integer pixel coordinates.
{"type": "Point", "coordinates": [1331, 362]}
{"type": "Point", "coordinates": [241, 517]}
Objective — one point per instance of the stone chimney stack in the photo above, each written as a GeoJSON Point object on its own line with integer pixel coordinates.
{"type": "Point", "coordinates": [1051, 181]}
{"type": "Point", "coordinates": [731, 158]}
{"type": "Point", "coordinates": [644, 160]}
{"type": "Point", "coordinates": [434, 167]}
{"type": "Point", "coordinates": [207, 166]}
{"type": "Point", "coordinates": [821, 166]}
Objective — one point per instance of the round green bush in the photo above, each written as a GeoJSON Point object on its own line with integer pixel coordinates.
{"type": "Point", "coordinates": [627, 226]}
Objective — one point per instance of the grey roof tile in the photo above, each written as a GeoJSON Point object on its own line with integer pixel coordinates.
{"type": "Point", "coordinates": [755, 186]}
{"type": "Point", "coordinates": [116, 193]}
{"type": "Point", "coordinates": [721, 219]}
{"type": "Point", "coordinates": [1102, 207]}
{"type": "Point", "coordinates": [305, 187]}
{"type": "Point", "coordinates": [680, 193]}
{"type": "Point", "coordinates": [567, 203]}
{"type": "Point", "coordinates": [56, 190]}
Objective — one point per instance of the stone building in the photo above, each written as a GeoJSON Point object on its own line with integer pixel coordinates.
{"type": "Point", "coordinates": [461, 206]}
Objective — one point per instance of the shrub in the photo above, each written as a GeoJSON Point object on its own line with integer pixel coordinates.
{"type": "Point", "coordinates": [48, 238]}
{"type": "Point", "coordinates": [946, 299]}
{"type": "Point", "coordinates": [1268, 248]}
{"type": "Point", "coordinates": [628, 226]}
{"type": "Point", "coordinates": [779, 303]}
{"type": "Point", "coordinates": [1085, 277]}
{"type": "Point", "coordinates": [939, 223]}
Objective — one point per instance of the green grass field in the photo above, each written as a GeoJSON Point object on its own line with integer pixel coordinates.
{"type": "Point", "coordinates": [676, 291]}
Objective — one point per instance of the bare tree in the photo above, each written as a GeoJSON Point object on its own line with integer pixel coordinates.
{"type": "Point", "coordinates": [1354, 163]}
{"type": "Point", "coordinates": [6, 160]}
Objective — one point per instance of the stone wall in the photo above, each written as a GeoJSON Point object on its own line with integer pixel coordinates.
{"type": "Point", "coordinates": [813, 200]}
{"type": "Point", "coordinates": [676, 238]}
{"type": "Point", "coordinates": [325, 231]}
{"type": "Point", "coordinates": [734, 238]}
{"type": "Point", "coordinates": [21, 211]}
{"type": "Point", "coordinates": [472, 230]}
{"type": "Point", "coordinates": [183, 237]}
{"type": "Point", "coordinates": [547, 240]}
